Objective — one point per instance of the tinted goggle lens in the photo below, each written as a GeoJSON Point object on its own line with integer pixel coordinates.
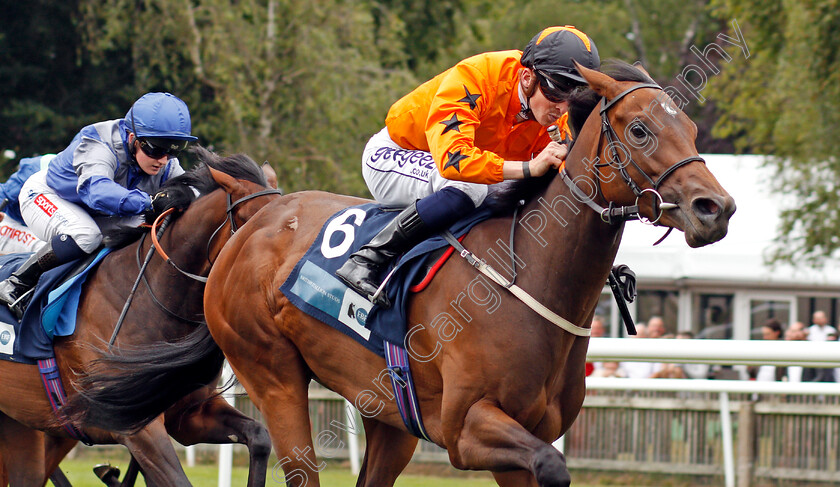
{"type": "Point", "coordinates": [157, 148]}
{"type": "Point", "coordinates": [554, 90]}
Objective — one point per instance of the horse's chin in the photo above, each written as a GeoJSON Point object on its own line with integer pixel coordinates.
{"type": "Point", "coordinates": [696, 233]}
{"type": "Point", "coordinates": [700, 237]}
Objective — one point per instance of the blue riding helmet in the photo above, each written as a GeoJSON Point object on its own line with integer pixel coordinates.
{"type": "Point", "coordinates": [160, 115]}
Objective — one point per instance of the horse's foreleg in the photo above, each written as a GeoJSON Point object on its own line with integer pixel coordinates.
{"type": "Point", "coordinates": [491, 440]}
{"type": "Point", "coordinates": [153, 450]}
{"type": "Point", "coordinates": [22, 452]}
{"type": "Point", "coordinates": [388, 451]}
{"type": "Point", "coordinates": [56, 449]}
{"type": "Point", "coordinates": [197, 419]}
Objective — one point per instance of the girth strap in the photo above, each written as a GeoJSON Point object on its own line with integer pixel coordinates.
{"type": "Point", "coordinates": [405, 394]}
{"type": "Point", "coordinates": [51, 379]}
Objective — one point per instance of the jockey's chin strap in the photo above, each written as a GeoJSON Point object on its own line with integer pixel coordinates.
{"type": "Point", "coordinates": [616, 214]}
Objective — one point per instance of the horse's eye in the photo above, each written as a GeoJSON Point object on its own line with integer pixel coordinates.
{"type": "Point", "coordinates": [638, 131]}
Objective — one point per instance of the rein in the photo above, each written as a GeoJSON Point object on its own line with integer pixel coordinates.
{"type": "Point", "coordinates": [621, 279]}
{"type": "Point", "coordinates": [613, 214]}
{"type": "Point", "coordinates": [130, 298]}
{"type": "Point", "coordinates": [156, 247]}
{"type": "Point", "coordinates": [229, 218]}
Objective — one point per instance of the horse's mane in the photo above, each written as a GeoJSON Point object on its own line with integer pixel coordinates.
{"type": "Point", "coordinates": [239, 166]}
{"type": "Point", "coordinates": [182, 189]}
{"type": "Point", "coordinates": [581, 104]}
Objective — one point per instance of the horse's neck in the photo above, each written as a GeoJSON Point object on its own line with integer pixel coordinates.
{"type": "Point", "coordinates": [574, 252]}
{"type": "Point", "coordinates": [192, 238]}
{"type": "Point", "coordinates": [185, 242]}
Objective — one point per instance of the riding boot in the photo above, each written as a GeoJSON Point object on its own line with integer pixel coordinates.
{"type": "Point", "coordinates": [361, 270]}
{"type": "Point", "coordinates": [59, 250]}
{"type": "Point", "coordinates": [25, 278]}
{"type": "Point", "coordinates": [439, 211]}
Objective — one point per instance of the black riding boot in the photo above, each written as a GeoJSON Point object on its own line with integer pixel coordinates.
{"type": "Point", "coordinates": [25, 278]}
{"type": "Point", "coordinates": [361, 271]}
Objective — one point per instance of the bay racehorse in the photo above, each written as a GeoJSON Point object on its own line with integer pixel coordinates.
{"type": "Point", "coordinates": [496, 381]}
{"type": "Point", "coordinates": [167, 307]}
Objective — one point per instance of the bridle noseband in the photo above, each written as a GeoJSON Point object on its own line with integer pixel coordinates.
{"type": "Point", "coordinates": [613, 214]}
{"type": "Point", "coordinates": [231, 206]}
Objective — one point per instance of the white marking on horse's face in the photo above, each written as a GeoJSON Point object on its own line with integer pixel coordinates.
{"type": "Point", "coordinates": [669, 109]}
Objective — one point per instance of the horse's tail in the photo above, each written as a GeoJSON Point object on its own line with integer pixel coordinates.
{"type": "Point", "coordinates": [127, 389]}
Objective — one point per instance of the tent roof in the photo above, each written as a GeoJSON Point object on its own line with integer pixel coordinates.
{"type": "Point", "coordinates": [740, 256]}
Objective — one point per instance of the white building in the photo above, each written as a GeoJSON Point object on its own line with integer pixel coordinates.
{"type": "Point", "coordinates": [724, 290]}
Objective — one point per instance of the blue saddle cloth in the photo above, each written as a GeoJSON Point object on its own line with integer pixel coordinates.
{"type": "Point", "coordinates": [313, 288]}
{"type": "Point", "coordinates": [51, 311]}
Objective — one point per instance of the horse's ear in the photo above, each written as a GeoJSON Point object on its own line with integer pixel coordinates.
{"type": "Point", "coordinates": [638, 65]}
{"type": "Point", "coordinates": [226, 181]}
{"type": "Point", "coordinates": [598, 81]}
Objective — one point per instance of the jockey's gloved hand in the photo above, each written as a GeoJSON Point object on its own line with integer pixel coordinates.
{"type": "Point", "coordinates": [174, 197]}
{"type": "Point", "coordinates": [160, 202]}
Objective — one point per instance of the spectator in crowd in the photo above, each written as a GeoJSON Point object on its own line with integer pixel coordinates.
{"type": "Point", "coordinates": [656, 327]}
{"type": "Point", "coordinates": [609, 369]}
{"type": "Point", "coordinates": [819, 331]}
{"type": "Point", "coordinates": [770, 330]}
{"type": "Point", "coordinates": [798, 325]}
{"type": "Point", "coordinates": [795, 333]}
{"type": "Point", "coordinates": [820, 328]}
{"type": "Point", "coordinates": [598, 329]}
{"type": "Point", "coordinates": [668, 371]}
{"type": "Point", "coordinates": [693, 371]}
{"type": "Point", "coordinates": [639, 370]}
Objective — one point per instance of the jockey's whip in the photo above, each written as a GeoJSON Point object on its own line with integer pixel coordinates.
{"type": "Point", "coordinates": [149, 254]}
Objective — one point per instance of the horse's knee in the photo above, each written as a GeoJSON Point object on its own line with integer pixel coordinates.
{"type": "Point", "coordinates": [549, 467]}
{"type": "Point", "coordinates": [259, 441]}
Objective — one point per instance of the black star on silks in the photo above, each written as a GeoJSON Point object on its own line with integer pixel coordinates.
{"type": "Point", "coordinates": [470, 98]}
{"type": "Point", "coordinates": [451, 124]}
{"type": "Point", "coordinates": [454, 160]}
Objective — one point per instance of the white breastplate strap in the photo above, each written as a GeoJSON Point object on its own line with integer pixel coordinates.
{"type": "Point", "coordinates": [517, 291]}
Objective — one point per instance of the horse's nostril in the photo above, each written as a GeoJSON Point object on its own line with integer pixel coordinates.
{"type": "Point", "coordinates": [706, 207]}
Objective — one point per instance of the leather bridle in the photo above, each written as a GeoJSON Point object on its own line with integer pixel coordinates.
{"type": "Point", "coordinates": [617, 214]}
{"type": "Point", "coordinates": [231, 206]}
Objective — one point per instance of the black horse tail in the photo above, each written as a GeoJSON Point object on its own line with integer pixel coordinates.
{"type": "Point", "coordinates": [127, 389]}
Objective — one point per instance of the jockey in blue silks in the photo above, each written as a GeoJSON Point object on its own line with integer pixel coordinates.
{"type": "Point", "coordinates": [103, 180]}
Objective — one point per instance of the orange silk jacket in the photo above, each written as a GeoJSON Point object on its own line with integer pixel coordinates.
{"type": "Point", "coordinates": [465, 118]}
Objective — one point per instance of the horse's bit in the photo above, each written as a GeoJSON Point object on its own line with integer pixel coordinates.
{"type": "Point", "coordinates": [613, 214]}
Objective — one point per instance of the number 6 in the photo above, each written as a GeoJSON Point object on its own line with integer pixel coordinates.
{"type": "Point", "coordinates": [339, 225]}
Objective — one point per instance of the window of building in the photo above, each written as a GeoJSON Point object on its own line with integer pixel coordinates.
{"type": "Point", "coordinates": [712, 315]}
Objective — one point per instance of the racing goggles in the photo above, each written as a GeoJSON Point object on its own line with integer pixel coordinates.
{"type": "Point", "coordinates": [157, 148]}
{"type": "Point", "coordinates": [555, 90]}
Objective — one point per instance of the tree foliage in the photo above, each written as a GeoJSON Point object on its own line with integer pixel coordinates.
{"type": "Point", "coordinates": [300, 84]}
{"type": "Point", "coordinates": [784, 101]}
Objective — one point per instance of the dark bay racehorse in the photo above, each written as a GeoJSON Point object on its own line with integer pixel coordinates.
{"type": "Point", "coordinates": [496, 382]}
{"type": "Point", "coordinates": [168, 308]}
